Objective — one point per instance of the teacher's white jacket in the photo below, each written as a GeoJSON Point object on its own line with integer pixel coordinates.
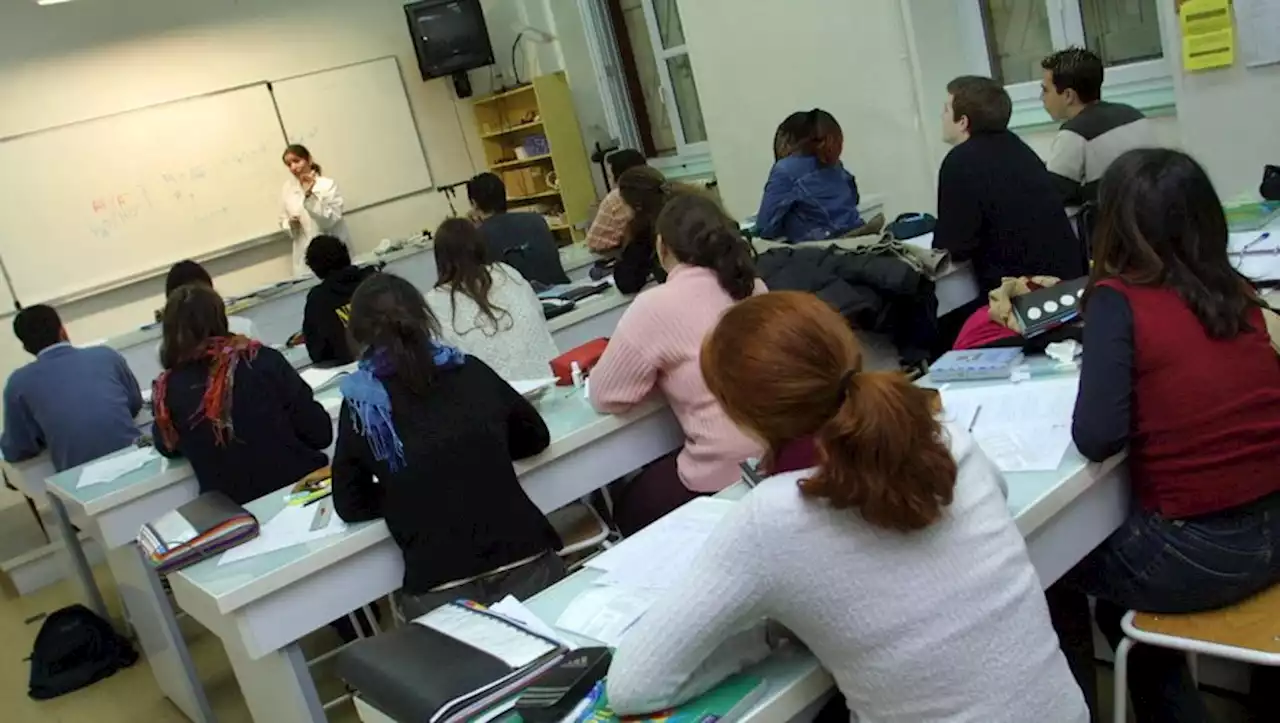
{"type": "Point", "coordinates": [320, 214]}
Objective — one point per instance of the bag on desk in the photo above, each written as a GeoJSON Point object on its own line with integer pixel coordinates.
{"type": "Point", "coordinates": [75, 648]}
{"type": "Point", "coordinates": [586, 355]}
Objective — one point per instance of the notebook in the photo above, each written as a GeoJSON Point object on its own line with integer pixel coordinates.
{"type": "Point", "coordinates": [491, 659]}
{"type": "Point", "coordinates": [205, 526]}
{"type": "Point", "coordinates": [1050, 307]}
{"type": "Point", "coordinates": [972, 364]}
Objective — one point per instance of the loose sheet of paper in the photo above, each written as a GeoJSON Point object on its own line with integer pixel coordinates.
{"type": "Point", "coordinates": [1022, 427]}
{"type": "Point", "coordinates": [513, 609]}
{"type": "Point", "coordinates": [1208, 40]}
{"type": "Point", "coordinates": [292, 526]}
{"type": "Point", "coordinates": [605, 613]}
{"type": "Point", "coordinates": [528, 386]}
{"type": "Point", "coordinates": [655, 557]}
{"type": "Point", "coordinates": [318, 378]}
{"type": "Point", "coordinates": [1258, 22]}
{"type": "Point", "coordinates": [113, 468]}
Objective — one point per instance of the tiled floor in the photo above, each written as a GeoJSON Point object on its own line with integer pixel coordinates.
{"type": "Point", "coordinates": [131, 695]}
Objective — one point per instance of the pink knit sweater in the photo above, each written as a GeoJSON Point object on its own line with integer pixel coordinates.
{"type": "Point", "coordinates": [657, 344]}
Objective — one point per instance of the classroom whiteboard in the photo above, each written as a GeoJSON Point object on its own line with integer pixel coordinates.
{"type": "Point", "coordinates": [357, 124]}
{"type": "Point", "coordinates": [124, 196]}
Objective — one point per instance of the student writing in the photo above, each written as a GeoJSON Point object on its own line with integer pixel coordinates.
{"type": "Point", "coordinates": [1177, 367]}
{"type": "Point", "coordinates": [487, 309]}
{"type": "Point", "coordinates": [894, 559]}
{"type": "Point", "coordinates": [439, 429]}
{"type": "Point", "coordinates": [656, 346]}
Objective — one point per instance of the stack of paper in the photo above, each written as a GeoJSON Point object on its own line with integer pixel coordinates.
{"type": "Point", "coordinates": [292, 526]}
{"type": "Point", "coordinates": [606, 613]}
{"type": "Point", "coordinates": [1023, 428]}
{"type": "Point", "coordinates": [659, 554]}
{"type": "Point", "coordinates": [112, 468]}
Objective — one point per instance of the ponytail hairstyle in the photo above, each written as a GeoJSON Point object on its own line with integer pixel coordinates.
{"type": "Point", "coordinates": [645, 191]}
{"type": "Point", "coordinates": [786, 366]}
{"type": "Point", "coordinates": [462, 261]}
{"type": "Point", "coordinates": [389, 315]}
{"type": "Point", "coordinates": [825, 139]}
{"type": "Point", "coordinates": [696, 231]}
{"type": "Point", "coordinates": [301, 151]}
{"type": "Point", "coordinates": [790, 134]}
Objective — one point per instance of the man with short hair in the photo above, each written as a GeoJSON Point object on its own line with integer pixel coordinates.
{"type": "Point", "coordinates": [77, 403]}
{"type": "Point", "coordinates": [520, 240]}
{"type": "Point", "coordinates": [328, 309]}
{"type": "Point", "coordinates": [997, 206]}
{"type": "Point", "coordinates": [1095, 132]}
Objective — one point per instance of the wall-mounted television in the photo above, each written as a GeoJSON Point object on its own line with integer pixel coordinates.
{"type": "Point", "coordinates": [449, 36]}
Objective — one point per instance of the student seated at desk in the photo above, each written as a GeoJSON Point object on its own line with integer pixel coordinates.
{"type": "Point", "coordinates": [894, 559]}
{"type": "Point", "coordinates": [520, 239]}
{"type": "Point", "coordinates": [487, 309]}
{"type": "Point", "coordinates": [77, 403]}
{"type": "Point", "coordinates": [235, 409]}
{"type": "Point", "coordinates": [190, 272]}
{"type": "Point", "coordinates": [997, 205]}
{"type": "Point", "coordinates": [609, 228]}
{"type": "Point", "coordinates": [809, 195]}
{"type": "Point", "coordinates": [1178, 367]}
{"type": "Point", "coordinates": [656, 347]}
{"type": "Point", "coordinates": [439, 431]}
{"type": "Point", "coordinates": [645, 191]}
{"type": "Point", "coordinates": [324, 318]}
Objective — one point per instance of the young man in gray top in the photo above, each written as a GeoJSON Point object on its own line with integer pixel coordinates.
{"type": "Point", "coordinates": [77, 403]}
{"type": "Point", "coordinates": [1094, 132]}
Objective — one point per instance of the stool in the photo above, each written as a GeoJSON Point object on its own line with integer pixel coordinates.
{"type": "Point", "coordinates": [1248, 632]}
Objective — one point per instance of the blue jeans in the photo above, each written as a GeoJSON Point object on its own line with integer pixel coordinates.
{"type": "Point", "coordinates": [1157, 565]}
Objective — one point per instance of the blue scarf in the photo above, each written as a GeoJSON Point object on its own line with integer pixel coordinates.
{"type": "Point", "coordinates": [366, 395]}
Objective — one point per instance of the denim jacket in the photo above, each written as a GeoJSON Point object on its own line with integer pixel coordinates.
{"type": "Point", "coordinates": [806, 201]}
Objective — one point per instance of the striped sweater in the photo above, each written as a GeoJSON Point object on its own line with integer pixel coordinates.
{"type": "Point", "coordinates": [1088, 143]}
{"type": "Point", "coordinates": [657, 345]}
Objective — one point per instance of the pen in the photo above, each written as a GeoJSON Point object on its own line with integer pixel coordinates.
{"type": "Point", "coordinates": [583, 710]}
{"type": "Point", "coordinates": [1261, 237]}
{"type": "Point", "coordinates": [974, 422]}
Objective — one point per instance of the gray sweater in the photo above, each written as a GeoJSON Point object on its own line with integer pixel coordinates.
{"type": "Point", "coordinates": [77, 403]}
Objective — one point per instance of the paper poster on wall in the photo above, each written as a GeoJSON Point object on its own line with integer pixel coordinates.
{"type": "Point", "coordinates": [1259, 31]}
{"type": "Point", "coordinates": [1208, 40]}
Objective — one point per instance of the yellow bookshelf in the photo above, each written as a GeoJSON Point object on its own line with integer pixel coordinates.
{"type": "Point", "coordinates": [507, 119]}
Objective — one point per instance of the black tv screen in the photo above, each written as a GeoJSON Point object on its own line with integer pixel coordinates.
{"type": "Point", "coordinates": [449, 36]}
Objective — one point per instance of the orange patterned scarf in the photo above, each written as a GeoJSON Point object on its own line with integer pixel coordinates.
{"type": "Point", "coordinates": [223, 354]}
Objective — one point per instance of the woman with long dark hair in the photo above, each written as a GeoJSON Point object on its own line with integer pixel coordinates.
{"type": "Point", "coordinates": [892, 556]}
{"type": "Point", "coordinates": [809, 195]}
{"type": "Point", "coordinates": [645, 191]}
{"type": "Point", "coordinates": [1178, 368]}
{"type": "Point", "coordinates": [609, 228]}
{"type": "Point", "coordinates": [656, 347]}
{"type": "Point", "coordinates": [237, 410]}
{"type": "Point", "coordinates": [487, 309]}
{"type": "Point", "coordinates": [426, 440]}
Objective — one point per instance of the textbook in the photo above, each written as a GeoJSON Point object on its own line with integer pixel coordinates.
{"type": "Point", "coordinates": [973, 364]}
{"type": "Point", "coordinates": [205, 526]}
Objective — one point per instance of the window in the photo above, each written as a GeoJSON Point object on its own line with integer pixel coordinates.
{"type": "Point", "coordinates": [1018, 34]}
{"type": "Point", "coordinates": [649, 90]}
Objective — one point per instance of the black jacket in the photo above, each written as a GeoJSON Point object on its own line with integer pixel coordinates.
{"type": "Point", "coordinates": [280, 433]}
{"type": "Point", "coordinates": [876, 293]}
{"type": "Point", "coordinates": [523, 241]}
{"type": "Point", "coordinates": [456, 508]}
{"type": "Point", "coordinates": [638, 263]}
{"type": "Point", "coordinates": [324, 320]}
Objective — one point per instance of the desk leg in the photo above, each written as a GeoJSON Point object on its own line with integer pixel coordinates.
{"type": "Point", "coordinates": [81, 573]}
{"type": "Point", "coordinates": [149, 612]}
{"type": "Point", "coordinates": [278, 687]}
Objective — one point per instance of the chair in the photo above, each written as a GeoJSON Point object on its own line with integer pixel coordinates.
{"type": "Point", "coordinates": [580, 527]}
{"type": "Point", "coordinates": [1248, 632]}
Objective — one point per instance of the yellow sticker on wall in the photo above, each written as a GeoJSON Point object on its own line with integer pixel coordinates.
{"type": "Point", "coordinates": [1208, 38]}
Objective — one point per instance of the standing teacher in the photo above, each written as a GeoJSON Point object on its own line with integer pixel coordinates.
{"type": "Point", "coordinates": [310, 204]}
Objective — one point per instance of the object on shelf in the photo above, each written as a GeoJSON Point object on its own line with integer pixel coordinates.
{"type": "Point", "coordinates": [535, 144]}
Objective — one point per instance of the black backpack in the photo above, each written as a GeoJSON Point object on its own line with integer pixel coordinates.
{"type": "Point", "coordinates": [75, 648]}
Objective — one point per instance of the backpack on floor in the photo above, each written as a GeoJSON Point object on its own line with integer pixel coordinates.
{"type": "Point", "coordinates": [75, 648]}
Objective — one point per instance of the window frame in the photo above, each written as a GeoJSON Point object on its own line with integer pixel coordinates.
{"type": "Point", "coordinates": [663, 57]}
{"type": "Point", "coordinates": [1145, 84]}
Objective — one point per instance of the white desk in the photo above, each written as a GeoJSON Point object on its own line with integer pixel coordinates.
{"type": "Point", "coordinates": [593, 317]}
{"type": "Point", "coordinates": [262, 607]}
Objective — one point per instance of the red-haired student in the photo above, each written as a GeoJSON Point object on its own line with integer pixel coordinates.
{"type": "Point", "coordinates": [809, 195]}
{"type": "Point", "coordinates": [895, 559]}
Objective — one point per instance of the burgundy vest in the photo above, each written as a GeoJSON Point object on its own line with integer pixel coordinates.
{"type": "Point", "coordinates": [1205, 424]}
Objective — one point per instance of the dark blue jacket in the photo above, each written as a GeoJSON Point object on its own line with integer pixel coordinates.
{"type": "Point", "coordinates": [77, 403]}
{"type": "Point", "coordinates": [806, 201]}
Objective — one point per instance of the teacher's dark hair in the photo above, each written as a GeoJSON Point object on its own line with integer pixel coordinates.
{"type": "Point", "coordinates": [327, 255]}
{"type": "Point", "coordinates": [301, 151]}
{"type": "Point", "coordinates": [1160, 223]}
{"type": "Point", "coordinates": [462, 263]}
{"type": "Point", "coordinates": [193, 314]}
{"type": "Point", "coordinates": [388, 314]}
{"type": "Point", "coordinates": [696, 231]}
{"type": "Point", "coordinates": [184, 273]}
{"type": "Point", "coordinates": [38, 327]}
